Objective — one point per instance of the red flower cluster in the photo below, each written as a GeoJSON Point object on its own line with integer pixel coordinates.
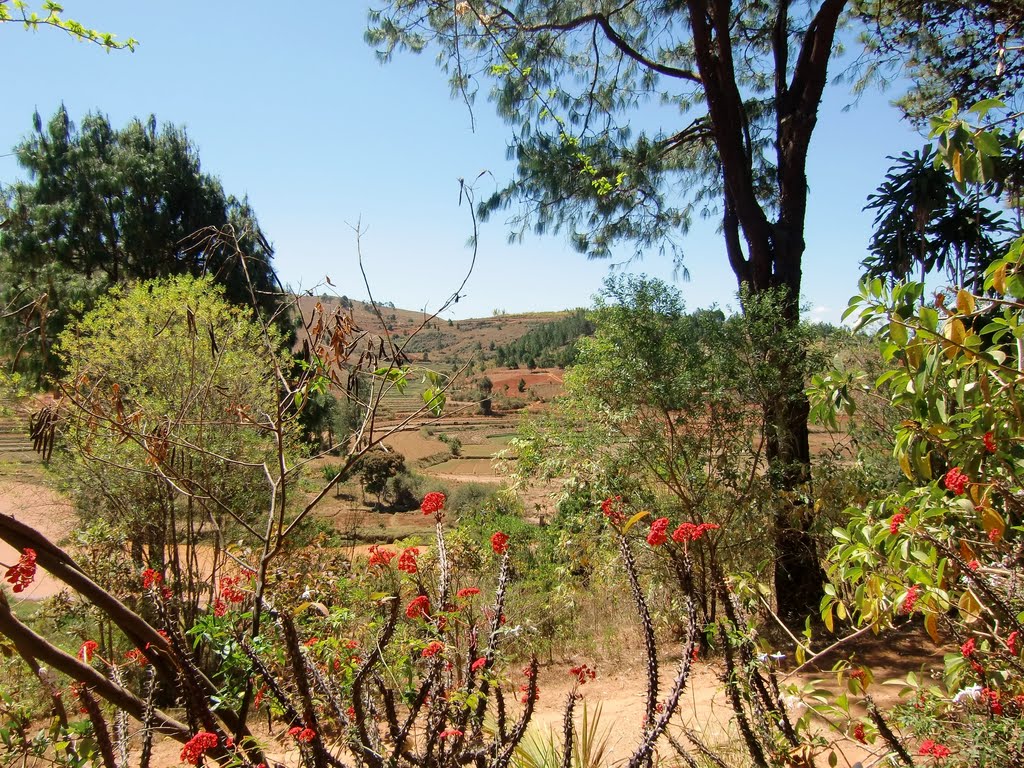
{"type": "Point", "coordinates": [302, 735]}
{"type": "Point", "coordinates": [467, 592]}
{"type": "Point", "coordinates": [612, 509]}
{"type": "Point", "coordinates": [990, 441]}
{"type": "Point", "coordinates": [151, 578]}
{"type": "Point", "coordinates": [659, 532]}
{"type": "Point", "coordinates": [929, 747]}
{"type": "Point", "coordinates": [910, 600]}
{"type": "Point", "coordinates": [418, 607]}
{"type": "Point", "coordinates": [407, 560]}
{"type": "Point", "coordinates": [896, 521]}
{"type": "Point", "coordinates": [992, 697]}
{"type": "Point", "coordinates": [858, 733]}
{"type": "Point", "coordinates": [196, 746]}
{"type": "Point", "coordinates": [583, 673]}
{"type": "Point", "coordinates": [136, 656]}
{"type": "Point", "coordinates": [433, 503]}
{"type": "Point", "coordinates": [450, 733]}
{"type": "Point", "coordinates": [380, 557]}
{"type": "Point", "coordinates": [21, 574]}
{"type": "Point", "coordinates": [974, 565]}
{"type": "Point", "coordinates": [692, 531]}
{"type": "Point", "coordinates": [220, 608]}
{"type": "Point", "coordinates": [229, 590]}
{"type": "Point", "coordinates": [432, 649]}
{"type": "Point", "coordinates": [968, 648]}
{"type": "Point", "coordinates": [477, 665]}
{"type": "Point", "coordinates": [499, 543]}
{"type": "Point", "coordinates": [87, 650]}
{"type": "Point", "coordinates": [956, 481]}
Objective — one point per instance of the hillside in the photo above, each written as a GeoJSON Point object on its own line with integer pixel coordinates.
{"type": "Point", "coordinates": [447, 344]}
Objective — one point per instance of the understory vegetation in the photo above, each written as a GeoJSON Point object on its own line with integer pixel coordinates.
{"type": "Point", "coordinates": [200, 424]}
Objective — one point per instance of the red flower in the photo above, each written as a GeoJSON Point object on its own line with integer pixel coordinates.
{"type": "Point", "coordinates": [380, 557]}
{"type": "Point", "coordinates": [858, 733]}
{"type": "Point", "coordinates": [87, 650]}
{"type": "Point", "coordinates": [659, 532]}
{"type": "Point", "coordinates": [895, 522]}
{"type": "Point", "coordinates": [137, 657]}
{"type": "Point", "coordinates": [994, 704]}
{"type": "Point", "coordinates": [304, 735]}
{"type": "Point", "coordinates": [220, 608]}
{"type": "Point", "coordinates": [956, 481]}
{"type": "Point", "coordinates": [432, 649]}
{"type": "Point", "coordinates": [418, 607]}
{"type": "Point", "coordinates": [477, 665]}
{"type": "Point", "coordinates": [467, 592]}
{"type": "Point", "coordinates": [407, 560]}
{"type": "Point", "coordinates": [612, 509]}
{"type": "Point", "coordinates": [910, 600]}
{"type": "Point", "coordinates": [451, 733]}
{"type": "Point", "coordinates": [929, 747]}
{"type": "Point", "coordinates": [691, 532]}
{"type": "Point", "coordinates": [151, 578]}
{"type": "Point", "coordinates": [974, 565]}
{"type": "Point", "coordinates": [196, 746]}
{"type": "Point", "coordinates": [433, 503]}
{"type": "Point", "coordinates": [583, 673]}
{"type": "Point", "coordinates": [990, 441]}
{"type": "Point", "coordinates": [229, 589]}
{"type": "Point", "coordinates": [994, 535]}
{"type": "Point", "coordinates": [968, 648]}
{"type": "Point", "coordinates": [499, 543]}
{"type": "Point", "coordinates": [21, 574]}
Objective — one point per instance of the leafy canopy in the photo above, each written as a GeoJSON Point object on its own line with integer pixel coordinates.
{"type": "Point", "coordinates": [104, 205]}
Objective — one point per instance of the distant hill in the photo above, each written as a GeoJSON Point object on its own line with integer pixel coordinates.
{"type": "Point", "coordinates": [445, 344]}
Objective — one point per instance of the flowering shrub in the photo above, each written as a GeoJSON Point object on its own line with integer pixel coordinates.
{"type": "Point", "coordinates": [944, 548]}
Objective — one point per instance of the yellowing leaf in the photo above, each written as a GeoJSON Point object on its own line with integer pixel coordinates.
{"type": "Point", "coordinates": [955, 333]}
{"type": "Point", "coordinates": [905, 466]}
{"type": "Point", "coordinates": [634, 520]}
{"type": "Point", "coordinates": [992, 521]}
{"type": "Point", "coordinates": [966, 552]}
{"type": "Point", "coordinates": [931, 625]}
{"type": "Point", "coordinates": [964, 302]}
{"type": "Point", "coordinates": [969, 607]}
{"type": "Point", "coordinates": [999, 278]}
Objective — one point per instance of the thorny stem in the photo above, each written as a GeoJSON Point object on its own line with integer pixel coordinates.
{"type": "Point", "coordinates": [886, 732]}
{"type": "Point", "coordinates": [650, 644]}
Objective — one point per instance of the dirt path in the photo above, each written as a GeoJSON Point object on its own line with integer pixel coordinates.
{"type": "Point", "coordinates": [46, 511]}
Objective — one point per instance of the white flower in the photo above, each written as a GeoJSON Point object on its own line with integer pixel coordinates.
{"type": "Point", "coordinates": [972, 692]}
{"type": "Point", "coordinates": [794, 704]}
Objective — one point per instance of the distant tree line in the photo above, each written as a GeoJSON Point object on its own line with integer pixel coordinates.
{"type": "Point", "coordinates": [103, 206]}
{"type": "Point", "coordinates": [549, 345]}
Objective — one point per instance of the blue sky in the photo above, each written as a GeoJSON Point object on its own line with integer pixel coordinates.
{"type": "Point", "coordinates": [289, 106]}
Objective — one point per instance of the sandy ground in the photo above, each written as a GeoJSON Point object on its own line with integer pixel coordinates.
{"type": "Point", "coordinates": [47, 512]}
